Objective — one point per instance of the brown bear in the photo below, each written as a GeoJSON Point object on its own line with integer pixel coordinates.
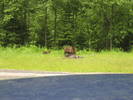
{"type": "Point", "coordinates": [69, 51]}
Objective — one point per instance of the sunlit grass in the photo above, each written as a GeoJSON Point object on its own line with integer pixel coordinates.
{"type": "Point", "coordinates": [32, 59]}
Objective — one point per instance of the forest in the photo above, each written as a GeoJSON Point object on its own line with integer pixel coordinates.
{"type": "Point", "coordinates": [86, 24]}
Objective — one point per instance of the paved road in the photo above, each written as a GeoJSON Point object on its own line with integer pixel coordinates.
{"type": "Point", "coordinates": [73, 87]}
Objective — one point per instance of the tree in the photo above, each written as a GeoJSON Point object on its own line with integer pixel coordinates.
{"type": "Point", "coordinates": [91, 24]}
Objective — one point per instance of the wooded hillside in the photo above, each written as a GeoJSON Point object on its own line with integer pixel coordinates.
{"type": "Point", "coordinates": [86, 24]}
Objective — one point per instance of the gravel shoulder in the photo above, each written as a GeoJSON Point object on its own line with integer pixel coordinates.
{"type": "Point", "coordinates": [15, 74]}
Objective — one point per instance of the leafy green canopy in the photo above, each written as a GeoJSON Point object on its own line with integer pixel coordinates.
{"type": "Point", "coordinates": [86, 24]}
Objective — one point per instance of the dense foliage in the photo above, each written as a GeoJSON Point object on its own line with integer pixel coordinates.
{"type": "Point", "coordinates": [86, 24]}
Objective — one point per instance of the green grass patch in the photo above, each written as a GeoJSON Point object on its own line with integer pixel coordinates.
{"type": "Point", "coordinates": [31, 58]}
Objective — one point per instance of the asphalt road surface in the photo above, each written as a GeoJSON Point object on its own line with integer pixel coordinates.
{"type": "Point", "coordinates": [72, 87]}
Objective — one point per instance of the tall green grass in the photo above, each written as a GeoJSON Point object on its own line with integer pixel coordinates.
{"type": "Point", "coordinates": [31, 58]}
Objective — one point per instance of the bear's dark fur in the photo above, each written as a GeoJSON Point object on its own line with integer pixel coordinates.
{"type": "Point", "coordinates": [75, 56]}
{"type": "Point", "coordinates": [46, 52]}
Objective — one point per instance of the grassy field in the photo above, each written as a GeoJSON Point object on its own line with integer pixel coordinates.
{"type": "Point", "coordinates": [32, 59]}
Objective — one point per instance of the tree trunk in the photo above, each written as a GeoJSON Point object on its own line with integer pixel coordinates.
{"type": "Point", "coordinates": [111, 25]}
{"type": "Point", "coordinates": [55, 25]}
{"type": "Point", "coordinates": [110, 43]}
{"type": "Point", "coordinates": [45, 27]}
